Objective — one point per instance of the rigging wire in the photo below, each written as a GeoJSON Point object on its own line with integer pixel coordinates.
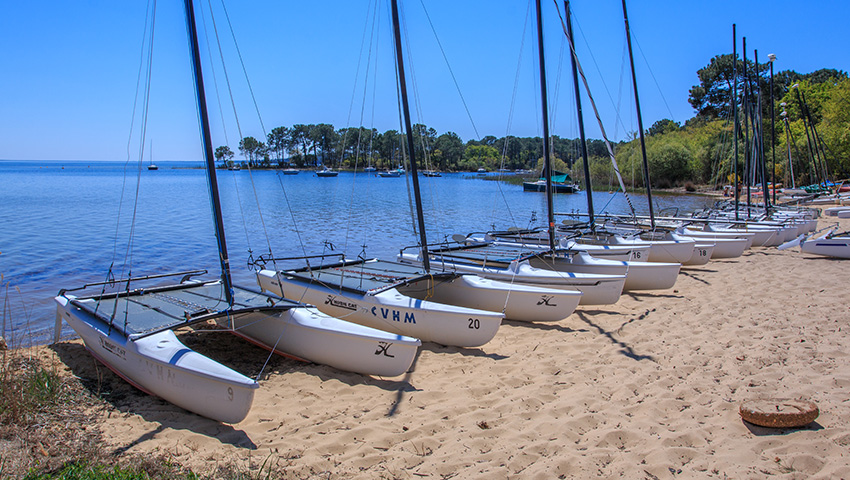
{"type": "Point", "coordinates": [510, 118]}
{"type": "Point", "coordinates": [374, 32]}
{"type": "Point", "coordinates": [451, 72]}
{"type": "Point", "coordinates": [259, 118]}
{"type": "Point", "coordinates": [652, 74]}
{"type": "Point", "coordinates": [598, 118]}
{"type": "Point", "coordinates": [577, 24]}
{"type": "Point", "coordinates": [221, 110]}
{"type": "Point", "coordinates": [145, 67]}
{"type": "Point", "coordinates": [144, 73]}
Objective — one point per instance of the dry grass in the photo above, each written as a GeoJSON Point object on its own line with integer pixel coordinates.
{"type": "Point", "coordinates": [41, 421]}
{"type": "Point", "coordinates": [48, 423]}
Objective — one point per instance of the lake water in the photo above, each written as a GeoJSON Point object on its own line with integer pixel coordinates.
{"type": "Point", "coordinates": [62, 224]}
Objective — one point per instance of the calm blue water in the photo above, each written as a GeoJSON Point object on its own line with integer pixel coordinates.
{"type": "Point", "coordinates": [63, 224]}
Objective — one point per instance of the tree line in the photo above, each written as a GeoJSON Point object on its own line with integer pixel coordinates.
{"type": "Point", "coordinates": [700, 151]}
{"type": "Point", "coordinates": [311, 145]}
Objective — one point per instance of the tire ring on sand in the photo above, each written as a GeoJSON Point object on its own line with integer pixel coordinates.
{"type": "Point", "coordinates": [779, 413]}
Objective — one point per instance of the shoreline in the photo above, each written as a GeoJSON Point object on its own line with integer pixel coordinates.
{"type": "Point", "coordinates": [646, 388]}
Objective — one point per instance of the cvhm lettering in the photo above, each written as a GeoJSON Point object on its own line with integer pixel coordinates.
{"type": "Point", "coordinates": [395, 315]}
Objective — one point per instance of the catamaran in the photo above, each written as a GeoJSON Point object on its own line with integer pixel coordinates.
{"type": "Point", "coordinates": [596, 259]}
{"type": "Point", "coordinates": [440, 306]}
{"type": "Point", "coordinates": [131, 331]}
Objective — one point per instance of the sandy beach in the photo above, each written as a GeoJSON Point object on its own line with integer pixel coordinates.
{"type": "Point", "coordinates": [647, 388]}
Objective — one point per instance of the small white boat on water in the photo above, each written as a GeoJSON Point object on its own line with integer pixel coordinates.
{"type": "Point", "coordinates": [326, 172]}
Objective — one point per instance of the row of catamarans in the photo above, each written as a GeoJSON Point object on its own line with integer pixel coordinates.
{"type": "Point", "coordinates": [370, 316]}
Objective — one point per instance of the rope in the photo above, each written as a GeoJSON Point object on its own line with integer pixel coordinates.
{"type": "Point", "coordinates": [598, 118]}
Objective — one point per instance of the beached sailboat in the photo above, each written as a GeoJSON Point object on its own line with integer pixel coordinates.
{"type": "Point", "coordinates": [517, 266]}
{"type": "Point", "coordinates": [131, 331]}
{"type": "Point", "coordinates": [388, 295]}
{"type": "Point", "coordinates": [597, 259]}
{"type": "Point", "coordinates": [829, 244]}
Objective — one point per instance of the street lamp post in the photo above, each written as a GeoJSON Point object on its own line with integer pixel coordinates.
{"type": "Point", "coordinates": [771, 58]}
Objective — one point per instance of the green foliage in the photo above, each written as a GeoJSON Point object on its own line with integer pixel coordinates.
{"type": "Point", "coordinates": [663, 126]}
{"type": "Point", "coordinates": [828, 104]}
{"type": "Point", "coordinates": [558, 165]}
{"type": "Point", "coordinates": [254, 150]}
{"type": "Point", "coordinates": [713, 94]}
{"type": "Point", "coordinates": [477, 156]}
{"type": "Point", "coordinates": [86, 471]}
{"type": "Point", "coordinates": [225, 155]}
{"type": "Point", "coordinates": [700, 151]}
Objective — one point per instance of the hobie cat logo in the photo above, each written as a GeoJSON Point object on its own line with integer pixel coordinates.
{"type": "Point", "coordinates": [544, 300]}
{"type": "Point", "coordinates": [112, 348]}
{"type": "Point", "coordinates": [335, 302]}
{"type": "Point", "coordinates": [384, 348]}
{"type": "Point", "coordinates": [394, 315]}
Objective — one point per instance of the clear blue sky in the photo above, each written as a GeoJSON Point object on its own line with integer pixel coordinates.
{"type": "Point", "coordinates": [69, 69]}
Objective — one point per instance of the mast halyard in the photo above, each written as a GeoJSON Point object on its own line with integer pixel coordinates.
{"type": "Point", "coordinates": [208, 152]}
{"type": "Point", "coordinates": [547, 161]}
{"type": "Point", "coordinates": [420, 218]}
{"type": "Point", "coordinates": [640, 121]}
{"type": "Point", "coordinates": [585, 161]}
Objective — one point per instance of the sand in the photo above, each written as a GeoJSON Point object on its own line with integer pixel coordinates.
{"type": "Point", "coordinates": [647, 388]}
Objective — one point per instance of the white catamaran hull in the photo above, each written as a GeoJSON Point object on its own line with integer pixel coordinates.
{"type": "Point", "coordinates": [761, 236]}
{"type": "Point", "coordinates": [664, 251]}
{"type": "Point", "coordinates": [622, 253]}
{"type": "Point", "coordinates": [308, 334]}
{"type": "Point", "coordinates": [595, 289]}
{"type": "Point", "coordinates": [392, 311]}
{"type": "Point", "coordinates": [837, 247]}
{"type": "Point", "coordinates": [639, 275]}
{"type": "Point", "coordinates": [702, 253]}
{"type": "Point", "coordinates": [162, 366]}
{"type": "Point", "coordinates": [525, 303]}
{"type": "Point", "coordinates": [725, 245]}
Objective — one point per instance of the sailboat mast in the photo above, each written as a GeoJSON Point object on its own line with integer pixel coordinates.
{"type": "Point", "coordinates": [640, 121]}
{"type": "Point", "coordinates": [585, 162]}
{"type": "Point", "coordinates": [746, 126]}
{"type": "Point", "coordinates": [762, 159]}
{"type": "Point", "coordinates": [735, 112]}
{"type": "Point", "coordinates": [208, 152]}
{"type": "Point", "coordinates": [420, 218]}
{"type": "Point", "coordinates": [547, 160]}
